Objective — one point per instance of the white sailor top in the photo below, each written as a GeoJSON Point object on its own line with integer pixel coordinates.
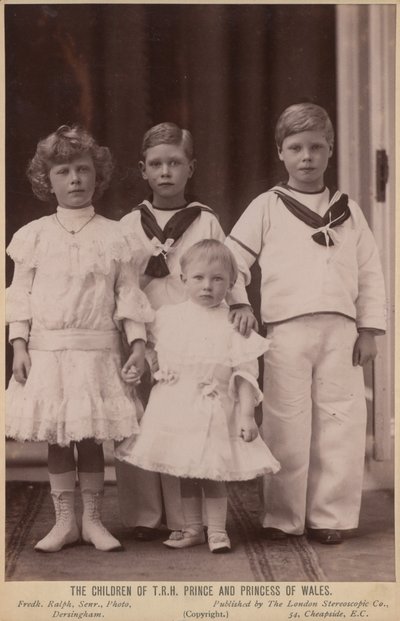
{"type": "Point", "coordinates": [299, 276]}
{"type": "Point", "coordinates": [169, 289]}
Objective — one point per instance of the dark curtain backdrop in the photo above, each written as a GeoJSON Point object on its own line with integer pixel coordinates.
{"type": "Point", "coordinates": [223, 71]}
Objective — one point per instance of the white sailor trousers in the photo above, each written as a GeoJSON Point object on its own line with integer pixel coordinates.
{"type": "Point", "coordinates": [142, 495]}
{"type": "Point", "coordinates": [314, 421]}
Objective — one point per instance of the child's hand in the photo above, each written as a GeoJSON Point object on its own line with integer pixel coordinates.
{"type": "Point", "coordinates": [130, 374]}
{"type": "Point", "coordinates": [243, 320]}
{"type": "Point", "coordinates": [21, 362]}
{"type": "Point", "coordinates": [134, 367]}
{"type": "Point", "coordinates": [249, 429]}
{"type": "Point", "coordinates": [364, 348]}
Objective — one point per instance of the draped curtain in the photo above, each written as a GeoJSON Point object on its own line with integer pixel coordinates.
{"type": "Point", "coordinates": [223, 71]}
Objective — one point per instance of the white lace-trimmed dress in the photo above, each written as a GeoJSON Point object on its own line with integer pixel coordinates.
{"type": "Point", "coordinates": [71, 295]}
{"type": "Point", "coordinates": [191, 426]}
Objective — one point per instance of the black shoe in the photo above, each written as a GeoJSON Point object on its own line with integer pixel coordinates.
{"type": "Point", "coordinates": [144, 533]}
{"type": "Point", "coordinates": [274, 534]}
{"type": "Point", "coordinates": [328, 536]}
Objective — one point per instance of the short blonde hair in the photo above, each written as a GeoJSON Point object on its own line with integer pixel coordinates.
{"type": "Point", "coordinates": [64, 145]}
{"type": "Point", "coordinates": [303, 117]}
{"type": "Point", "coordinates": [168, 133]}
{"type": "Point", "coordinates": [211, 250]}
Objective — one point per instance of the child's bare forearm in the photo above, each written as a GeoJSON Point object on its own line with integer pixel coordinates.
{"type": "Point", "coordinates": [249, 429]}
{"type": "Point", "coordinates": [135, 365]}
{"type": "Point", "coordinates": [246, 399]}
{"type": "Point", "coordinates": [19, 344]}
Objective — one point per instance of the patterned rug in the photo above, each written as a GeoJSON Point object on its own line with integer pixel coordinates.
{"type": "Point", "coordinates": [291, 559]}
{"type": "Point", "coordinates": [29, 516]}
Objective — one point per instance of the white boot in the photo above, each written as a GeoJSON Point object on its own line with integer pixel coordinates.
{"type": "Point", "coordinates": [65, 531]}
{"type": "Point", "coordinates": [93, 531]}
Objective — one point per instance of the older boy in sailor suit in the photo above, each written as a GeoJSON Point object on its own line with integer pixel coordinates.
{"type": "Point", "coordinates": [322, 302]}
{"type": "Point", "coordinates": [167, 225]}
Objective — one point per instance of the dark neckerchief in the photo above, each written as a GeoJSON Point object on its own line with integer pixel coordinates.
{"type": "Point", "coordinates": [337, 213]}
{"type": "Point", "coordinates": [157, 266]}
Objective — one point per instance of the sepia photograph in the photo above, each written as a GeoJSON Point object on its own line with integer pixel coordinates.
{"type": "Point", "coordinates": [199, 225]}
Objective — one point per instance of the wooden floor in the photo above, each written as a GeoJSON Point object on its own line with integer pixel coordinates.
{"type": "Point", "coordinates": [370, 555]}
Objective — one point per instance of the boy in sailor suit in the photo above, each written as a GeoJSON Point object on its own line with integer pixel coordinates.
{"type": "Point", "coordinates": [322, 304]}
{"type": "Point", "coordinates": [166, 225]}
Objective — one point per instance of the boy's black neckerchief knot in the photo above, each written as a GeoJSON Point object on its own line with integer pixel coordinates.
{"type": "Point", "coordinates": [176, 226]}
{"type": "Point", "coordinates": [337, 213]}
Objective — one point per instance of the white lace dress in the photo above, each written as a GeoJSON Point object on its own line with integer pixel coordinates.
{"type": "Point", "coordinates": [71, 295]}
{"type": "Point", "coordinates": [191, 426]}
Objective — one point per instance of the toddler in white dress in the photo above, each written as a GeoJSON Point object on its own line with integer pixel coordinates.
{"type": "Point", "coordinates": [199, 423]}
{"type": "Point", "coordinates": [74, 287]}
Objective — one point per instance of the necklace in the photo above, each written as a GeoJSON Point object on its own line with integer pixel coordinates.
{"type": "Point", "coordinates": [74, 232]}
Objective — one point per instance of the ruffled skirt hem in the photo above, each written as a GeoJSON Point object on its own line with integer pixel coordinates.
{"type": "Point", "coordinates": [241, 461]}
{"type": "Point", "coordinates": [203, 473]}
{"type": "Point", "coordinates": [70, 396]}
{"type": "Point", "coordinates": [65, 438]}
{"type": "Point", "coordinates": [59, 423]}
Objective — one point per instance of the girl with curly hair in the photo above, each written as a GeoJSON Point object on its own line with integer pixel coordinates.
{"type": "Point", "coordinates": [73, 292]}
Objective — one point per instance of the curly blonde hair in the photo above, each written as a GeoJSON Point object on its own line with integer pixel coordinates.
{"type": "Point", "coordinates": [64, 145]}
